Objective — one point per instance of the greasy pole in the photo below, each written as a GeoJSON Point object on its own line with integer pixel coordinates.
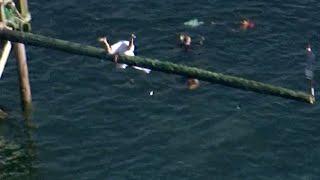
{"type": "Point", "coordinates": [157, 65]}
{"type": "Point", "coordinates": [25, 90]}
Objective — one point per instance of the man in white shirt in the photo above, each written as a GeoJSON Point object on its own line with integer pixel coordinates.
{"type": "Point", "coordinates": [121, 48]}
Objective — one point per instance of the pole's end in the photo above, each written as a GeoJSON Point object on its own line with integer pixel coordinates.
{"type": "Point", "coordinates": [3, 114]}
{"type": "Point", "coordinates": [312, 99]}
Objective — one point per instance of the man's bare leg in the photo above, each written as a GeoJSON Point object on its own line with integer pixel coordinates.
{"type": "Point", "coordinates": [108, 48]}
{"type": "Point", "coordinates": [131, 44]}
{"type": "Point", "coordinates": [105, 44]}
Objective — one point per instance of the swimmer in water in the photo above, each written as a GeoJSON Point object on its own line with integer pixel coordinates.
{"type": "Point", "coordinates": [125, 48]}
{"type": "Point", "coordinates": [193, 83]}
{"type": "Point", "coordinates": [309, 68]}
{"type": "Point", "coordinates": [247, 24]}
{"type": "Point", "coordinates": [184, 41]}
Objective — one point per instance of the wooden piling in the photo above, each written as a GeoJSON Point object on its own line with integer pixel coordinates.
{"type": "Point", "coordinates": [157, 65]}
{"type": "Point", "coordinates": [25, 90]}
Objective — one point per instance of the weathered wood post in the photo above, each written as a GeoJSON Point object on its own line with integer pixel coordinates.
{"type": "Point", "coordinates": [25, 90]}
{"type": "Point", "coordinates": [21, 57]}
{"type": "Point", "coordinates": [18, 19]}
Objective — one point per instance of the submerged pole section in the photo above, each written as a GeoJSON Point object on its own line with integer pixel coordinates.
{"type": "Point", "coordinates": [157, 65]}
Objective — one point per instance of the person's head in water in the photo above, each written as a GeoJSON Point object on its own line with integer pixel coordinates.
{"type": "Point", "coordinates": [310, 54]}
{"type": "Point", "coordinates": [247, 24]}
{"type": "Point", "coordinates": [193, 83]}
{"type": "Point", "coordinates": [185, 41]}
{"type": "Point", "coordinates": [309, 48]}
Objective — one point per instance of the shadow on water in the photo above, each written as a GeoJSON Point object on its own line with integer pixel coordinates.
{"type": "Point", "coordinates": [17, 150]}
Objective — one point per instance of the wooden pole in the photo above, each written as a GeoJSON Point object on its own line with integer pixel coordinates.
{"type": "Point", "coordinates": [3, 115]}
{"type": "Point", "coordinates": [157, 65]}
{"type": "Point", "coordinates": [25, 91]}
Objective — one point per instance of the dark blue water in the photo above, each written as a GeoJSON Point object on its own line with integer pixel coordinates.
{"type": "Point", "coordinates": [98, 122]}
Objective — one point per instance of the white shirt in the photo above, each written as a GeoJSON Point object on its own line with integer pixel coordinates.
{"type": "Point", "coordinates": [121, 47]}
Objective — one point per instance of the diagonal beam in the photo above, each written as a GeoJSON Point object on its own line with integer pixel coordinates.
{"type": "Point", "coordinates": [6, 48]}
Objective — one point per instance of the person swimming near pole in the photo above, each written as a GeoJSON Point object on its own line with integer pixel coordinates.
{"type": "Point", "coordinates": [311, 59]}
{"type": "Point", "coordinates": [121, 48]}
{"type": "Point", "coordinates": [185, 42]}
{"type": "Point", "coordinates": [247, 24]}
{"type": "Point", "coordinates": [193, 83]}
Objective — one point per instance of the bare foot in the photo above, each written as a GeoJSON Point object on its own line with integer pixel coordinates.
{"type": "Point", "coordinates": [102, 39]}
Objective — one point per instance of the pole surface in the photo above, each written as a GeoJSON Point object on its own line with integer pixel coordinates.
{"type": "Point", "coordinates": [157, 65]}
{"type": "Point", "coordinates": [25, 90]}
{"type": "Point", "coordinates": [3, 115]}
